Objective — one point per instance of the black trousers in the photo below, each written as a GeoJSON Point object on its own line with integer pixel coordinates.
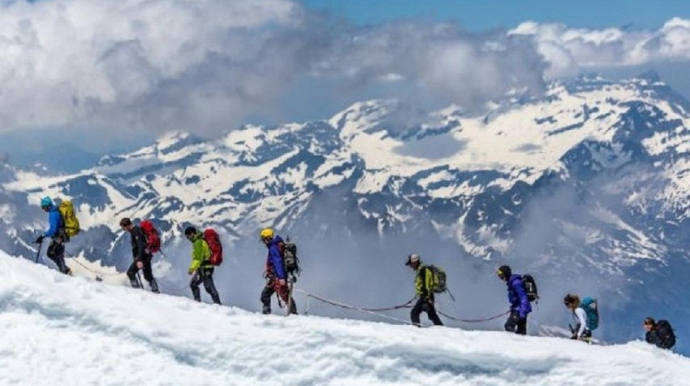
{"type": "Point", "coordinates": [424, 305]}
{"type": "Point", "coordinates": [515, 324]}
{"type": "Point", "coordinates": [204, 275]}
{"type": "Point", "coordinates": [148, 274]}
{"type": "Point", "coordinates": [56, 253]}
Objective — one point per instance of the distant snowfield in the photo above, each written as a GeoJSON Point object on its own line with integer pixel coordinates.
{"type": "Point", "coordinates": [60, 330]}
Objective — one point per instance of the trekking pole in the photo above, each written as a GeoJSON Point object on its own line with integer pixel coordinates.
{"type": "Point", "coordinates": [163, 253]}
{"type": "Point", "coordinates": [451, 295]}
{"type": "Point", "coordinates": [289, 301]}
{"type": "Point", "coordinates": [38, 251]}
{"type": "Point", "coordinates": [141, 285]}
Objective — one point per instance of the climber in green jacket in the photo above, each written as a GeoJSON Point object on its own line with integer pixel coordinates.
{"type": "Point", "coordinates": [201, 268]}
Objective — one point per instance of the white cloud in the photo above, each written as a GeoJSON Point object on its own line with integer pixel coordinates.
{"type": "Point", "coordinates": [568, 50]}
{"type": "Point", "coordinates": [136, 63]}
{"type": "Point", "coordinates": [208, 65]}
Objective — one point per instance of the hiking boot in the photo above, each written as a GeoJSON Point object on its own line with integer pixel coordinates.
{"type": "Point", "coordinates": [134, 283]}
{"type": "Point", "coordinates": [266, 310]}
{"type": "Point", "coordinates": [154, 286]}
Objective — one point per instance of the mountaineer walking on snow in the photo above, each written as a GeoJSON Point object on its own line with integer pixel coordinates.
{"type": "Point", "coordinates": [57, 235]}
{"type": "Point", "coordinates": [201, 268]}
{"type": "Point", "coordinates": [142, 257]}
{"type": "Point", "coordinates": [275, 274]}
{"type": "Point", "coordinates": [586, 315]}
{"type": "Point", "coordinates": [518, 299]}
{"type": "Point", "coordinates": [659, 333]}
{"type": "Point", "coordinates": [423, 284]}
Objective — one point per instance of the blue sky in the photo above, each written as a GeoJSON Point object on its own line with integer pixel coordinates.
{"type": "Point", "coordinates": [477, 15]}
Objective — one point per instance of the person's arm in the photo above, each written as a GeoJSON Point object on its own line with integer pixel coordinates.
{"type": "Point", "coordinates": [277, 261]}
{"type": "Point", "coordinates": [524, 300]}
{"type": "Point", "coordinates": [54, 220]}
{"type": "Point", "coordinates": [581, 321]}
{"type": "Point", "coordinates": [197, 255]}
{"type": "Point", "coordinates": [140, 242]}
{"type": "Point", "coordinates": [425, 275]}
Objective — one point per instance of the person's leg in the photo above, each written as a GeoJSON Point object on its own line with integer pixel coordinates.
{"type": "Point", "coordinates": [416, 311]}
{"type": "Point", "coordinates": [148, 275]}
{"type": "Point", "coordinates": [60, 259]}
{"type": "Point", "coordinates": [521, 326]}
{"type": "Point", "coordinates": [587, 336]}
{"type": "Point", "coordinates": [56, 253]}
{"type": "Point", "coordinates": [132, 275]}
{"type": "Point", "coordinates": [284, 293]}
{"type": "Point", "coordinates": [266, 294]}
{"type": "Point", "coordinates": [511, 323]}
{"type": "Point", "coordinates": [207, 274]}
{"type": "Point", "coordinates": [194, 285]}
{"type": "Point", "coordinates": [433, 316]}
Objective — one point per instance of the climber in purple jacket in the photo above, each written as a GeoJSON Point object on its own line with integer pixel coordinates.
{"type": "Point", "coordinates": [519, 302]}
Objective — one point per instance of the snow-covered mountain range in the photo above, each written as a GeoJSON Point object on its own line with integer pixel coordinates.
{"type": "Point", "coordinates": [588, 183]}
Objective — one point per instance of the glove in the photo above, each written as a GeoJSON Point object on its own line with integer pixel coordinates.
{"type": "Point", "coordinates": [39, 240]}
{"type": "Point", "coordinates": [573, 337]}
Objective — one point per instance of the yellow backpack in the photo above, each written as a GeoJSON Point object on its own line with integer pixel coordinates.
{"type": "Point", "coordinates": [69, 218]}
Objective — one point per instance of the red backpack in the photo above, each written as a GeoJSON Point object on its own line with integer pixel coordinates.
{"type": "Point", "coordinates": [153, 239]}
{"type": "Point", "coordinates": [213, 241]}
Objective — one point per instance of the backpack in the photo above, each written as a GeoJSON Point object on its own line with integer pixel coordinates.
{"type": "Point", "coordinates": [153, 239]}
{"type": "Point", "coordinates": [69, 218]}
{"type": "Point", "coordinates": [438, 279]}
{"type": "Point", "coordinates": [213, 240]}
{"type": "Point", "coordinates": [530, 287]}
{"type": "Point", "coordinates": [591, 307]}
{"type": "Point", "coordinates": [667, 338]}
{"type": "Point", "coordinates": [290, 259]}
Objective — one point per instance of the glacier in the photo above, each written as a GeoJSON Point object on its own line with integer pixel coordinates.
{"type": "Point", "coordinates": [62, 330]}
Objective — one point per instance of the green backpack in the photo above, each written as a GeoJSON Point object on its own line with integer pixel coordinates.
{"type": "Point", "coordinates": [438, 279]}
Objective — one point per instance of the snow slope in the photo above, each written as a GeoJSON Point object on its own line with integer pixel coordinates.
{"type": "Point", "coordinates": [70, 331]}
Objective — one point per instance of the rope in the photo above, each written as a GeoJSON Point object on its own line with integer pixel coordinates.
{"type": "Point", "coordinates": [371, 311]}
{"type": "Point", "coordinates": [376, 311]}
{"type": "Point", "coordinates": [74, 259]}
{"type": "Point", "coordinates": [351, 307]}
{"type": "Point", "coordinates": [473, 320]}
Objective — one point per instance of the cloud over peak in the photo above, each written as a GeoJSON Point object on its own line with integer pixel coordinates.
{"type": "Point", "coordinates": [570, 50]}
{"type": "Point", "coordinates": [207, 66]}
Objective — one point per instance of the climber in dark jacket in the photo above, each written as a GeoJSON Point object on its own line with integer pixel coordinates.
{"type": "Point", "coordinates": [142, 257]}
{"type": "Point", "coordinates": [519, 302]}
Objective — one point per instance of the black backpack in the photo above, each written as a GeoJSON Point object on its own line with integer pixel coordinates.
{"type": "Point", "coordinates": [530, 287]}
{"type": "Point", "coordinates": [667, 338]}
{"type": "Point", "coordinates": [290, 258]}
